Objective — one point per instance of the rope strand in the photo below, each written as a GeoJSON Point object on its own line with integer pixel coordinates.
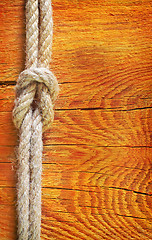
{"type": "Point", "coordinates": [46, 33]}
{"type": "Point", "coordinates": [23, 177]}
{"type": "Point", "coordinates": [35, 177]}
{"type": "Point", "coordinates": [35, 84]}
{"type": "Point", "coordinates": [32, 33]}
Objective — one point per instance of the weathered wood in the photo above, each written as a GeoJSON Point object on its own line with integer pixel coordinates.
{"type": "Point", "coordinates": [89, 191]}
{"type": "Point", "coordinates": [84, 95]}
{"type": "Point", "coordinates": [97, 155]}
{"type": "Point", "coordinates": [70, 211]}
{"type": "Point", "coordinates": [94, 127]}
{"type": "Point", "coordinates": [99, 171]}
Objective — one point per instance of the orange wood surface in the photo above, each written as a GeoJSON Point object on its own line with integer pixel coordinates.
{"type": "Point", "coordinates": [96, 181]}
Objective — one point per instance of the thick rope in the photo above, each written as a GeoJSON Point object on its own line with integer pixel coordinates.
{"type": "Point", "coordinates": [36, 92]}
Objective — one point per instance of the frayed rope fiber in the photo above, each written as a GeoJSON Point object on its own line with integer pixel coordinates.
{"type": "Point", "coordinates": [36, 91]}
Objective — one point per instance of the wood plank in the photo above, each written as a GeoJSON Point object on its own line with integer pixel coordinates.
{"type": "Point", "coordinates": [85, 214]}
{"type": "Point", "coordinates": [104, 175]}
{"type": "Point", "coordinates": [93, 127]}
{"type": "Point", "coordinates": [90, 95]}
{"type": "Point", "coordinates": [86, 189]}
{"type": "Point", "coordinates": [91, 39]}
{"type": "Point", "coordinates": [84, 156]}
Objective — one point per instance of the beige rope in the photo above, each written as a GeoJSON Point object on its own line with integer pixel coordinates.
{"type": "Point", "coordinates": [36, 91]}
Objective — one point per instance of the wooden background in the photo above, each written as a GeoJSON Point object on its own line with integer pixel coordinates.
{"type": "Point", "coordinates": [97, 180]}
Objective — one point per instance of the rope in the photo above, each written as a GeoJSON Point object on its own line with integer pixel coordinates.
{"type": "Point", "coordinates": [36, 91]}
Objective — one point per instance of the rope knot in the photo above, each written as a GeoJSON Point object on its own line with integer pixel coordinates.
{"type": "Point", "coordinates": [31, 82]}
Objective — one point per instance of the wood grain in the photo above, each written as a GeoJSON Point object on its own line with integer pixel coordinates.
{"type": "Point", "coordinates": [96, 181]}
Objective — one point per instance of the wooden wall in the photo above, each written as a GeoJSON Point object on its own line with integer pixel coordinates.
{"type": "Point", "coordinates": [96, 180]}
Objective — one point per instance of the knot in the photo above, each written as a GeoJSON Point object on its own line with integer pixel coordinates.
{"type": "Point", "coordinates": [32, 81]}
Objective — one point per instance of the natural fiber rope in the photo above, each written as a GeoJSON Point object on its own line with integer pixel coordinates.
{"type": "Point", "coordinates": [36, 91]}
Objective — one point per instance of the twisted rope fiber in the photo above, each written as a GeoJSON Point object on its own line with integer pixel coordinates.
{"type": "Point", "coordinates": [35, 84]}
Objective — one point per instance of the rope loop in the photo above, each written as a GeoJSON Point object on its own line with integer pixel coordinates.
{"type": "Point", "coordinates": [31, 82]}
